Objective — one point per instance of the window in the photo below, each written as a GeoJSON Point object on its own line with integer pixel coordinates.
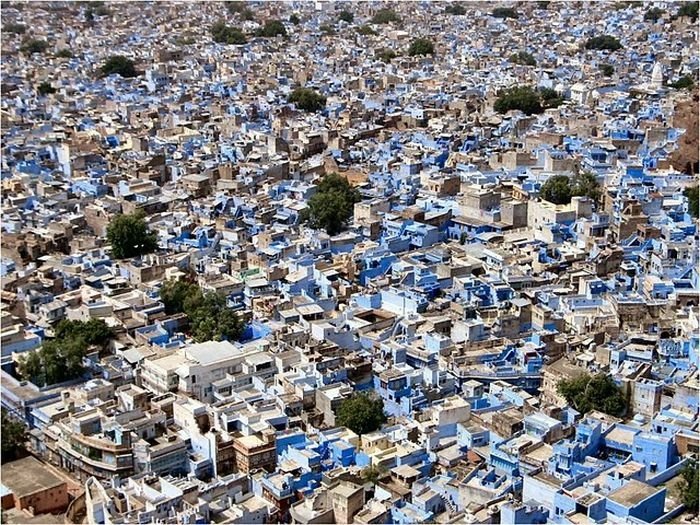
{"type": "Point", "coordinates": [194, 379]}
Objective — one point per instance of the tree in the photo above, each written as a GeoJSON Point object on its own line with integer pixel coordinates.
{"type": "Point", "coordinates": [522, 58]}
{"type": "Point", "coordinates": [223, 34]}
{"type": "Point", "coordinates": [421, 47]}
{"type": "Point", "coordinates": [385, 54]}
{"type": "Point", "coordinates": [522, 98]}
{"type": "Point", "coordinates": [64, 53]}
{"type": "Point", "coordinates": [361, 413]}
{"type": "Point", "coordinates": [385, 16]}
{"type": "Point", "coordinates": [653, 14]}
{"type": "Point", "coordinates": [119, 65]}
{"type": "Point", "coordinates": [346, 16]}
{"type": "Point", "coordinates": [549, 98]}
{"type": "Point", "coordinates": [455, 9]}
{"type": "Point", "coordinates": [366, 30]}
{"type": "Point", "coordinates": [685, 82]}
{"type": "Point", "coordinates": [692, 195]}
{"type": "Point", "coordinates": [603, 42]}
{"type": "Point", "coordinates": [294, 19]}
{"type": "Point", "coordinates": [272, 28]}
{"type": "Point", "coordinates": [372, 473]}
{"type": "Point", "coordinates": [332, 204]}
{"type": "Point", "coordinates": [209, 315]}
{"type": "Point", "coordinates": [130, 237]}
{"type": "Point", "coordinates": [14, 28]}
{"type": "Point", "coordinates": [307, 99]}
{"type": "Point", "coordinates": [211, 319]}
{"type": "Point", "coordinates": [607, 70]}
{"type": "Point", "coordinates": [174, 294]}
{"type": "Point", "coordinates": [57, 360]}
{"type": "Point", "coordinates": [45, 88]}
{"type": "Point", "coordinates": [94, 332]}
{"type": "Point", "coordinates": [34, 45]}
{"type": "Point", "coordinates": [543, 4]}
{"type": "Point", "coordinates": [504, 12]}
{"type": "Point", "coordinates": [14, 435]}
{"type": "Point", "coordinates": [598, 392]}
{"type": "Point", "coordinates": [557, 190]}
{"type": "Point", "coordinates": [689, 9]}
{"type": "Point", "coordinates": [586, 185]}
{"type": "Point", "coordinates": [327, 29]}
{"type": "Point", "coordinates": [241, 9]}
{"type": "Point", "coordinates": [689, 487]}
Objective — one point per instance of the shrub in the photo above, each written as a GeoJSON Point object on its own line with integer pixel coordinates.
{"type": "Point", "coordinates": [385, 55]}
{"type": "Point", "coordinates": [272, 28]}
{"type": "Point", "coordinates": [421, 47]}
{"type": "Point", "coordinates": [307, 99]}
{"type": "Point", "coordinates": [523, 58]}
{"type": "Point", "coordinates": [603, 42]}
{"type": "Point", "coordinates": [366, 30]}
{"type": "Point", "coordinates": [504, 12]}
{"type": "Point", "coordinates": [455, 9]}
{"type": "Point", "coordinates": [119, 65]}
{"type": "Point", "coordinates": [34, 45]}
{"type": "Point", "coordinates": [385, 16]}
{"type": "Point", "coordinates": [45, 88]}
{"type": "Point", "coordinates": [346, 16]}
{"type": "Point", "coordinates": [223, 34]}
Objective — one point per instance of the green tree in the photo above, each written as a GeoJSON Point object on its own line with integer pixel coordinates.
{"type": "Point", "coordinates": [366, 31]}
{"type": "Point", "coordinates": [557, 190]}
{"type": "Point", "coordinates": [332, 204]}
{"type": "Point", "coordinates": [294, 19]}
{"type": "Point", "coordinates": [361, 413]}
{"type": "Point", "coordinates": [455, 9]}
{"type": "Point", "coordinates": [689, 9]}
{"type": "Point", "coordinates": [119, 65]}
{"type": "Point", "coordinates": [346, 16]}
{"type": "Point", "coordinates": [34, 45]}
{"type": "Point", "coordinates": [522, 98]}
{"type": "Point", "coordinates": [586, 185]}
{"type": "Point", "coordinates": [421, 46]}
{"type": "Point", "coordinates": [241, 9]}
{"type": "Point", "coordinates": [57, 360]}
{"type": "Point", "coordinates": [327, 29]}
{"type": "Point", "coordinates": [14, 28]}
{"type": "Point", "coordinates": [504, 12]}
{"type": "Point", "coordinates": [607, 69]}
{"type": "Point", "coordinates": [45, 88]}
{"type": "Point", "coordinates": [130, 237]}
{"type": "Point", "coordinates": [174, 294]}
{"type": "Point", "coordinates": [689, 487]}
{"type": "Point", "coordinates": [272, 28]}
{"type": "Point", "coordinates": [385, 16]}
{"type": "Point", "coordinates": [94, 332]}
{"type": "Point", "coordinates": [211, 319]}
{"type": "Point", "coordinates": [543, 4]}
{"type": "Point", "coordinates": [30, 367]}
{"type": "Point", "coordinates": [385, 54]}
{"type": "Point", "coordinates": [598, 392]}
{"type": "Point", "coordinates": [692, 195]}
{"type": "Point", "coordinates": [307, 99]}
{"type": "Point", "coordinates": [603, 42]}
{"type": "Point", "coordinates": [549, 98]}
{"type": "Point", "coordinates": [372, 473]}
{"type": "Point", "coordinates": [14, 436]}
{"type": "Point", "coordinates": [64, 53]}
{"type": "Point", "coordinates": [653, 14]}
{"type": "Point", "coordinates": [523, 58]}
{"type": "Point", "coordinates": [223, 34]}
{"type": "Point", "coordinates": [685, 82]}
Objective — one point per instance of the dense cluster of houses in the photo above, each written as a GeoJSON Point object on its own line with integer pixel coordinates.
{"type": "Point", "coordinates": [456, 293]}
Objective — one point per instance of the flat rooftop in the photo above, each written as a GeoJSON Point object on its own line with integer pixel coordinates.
{"type": "Point", "coordinates": [28, 476]}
